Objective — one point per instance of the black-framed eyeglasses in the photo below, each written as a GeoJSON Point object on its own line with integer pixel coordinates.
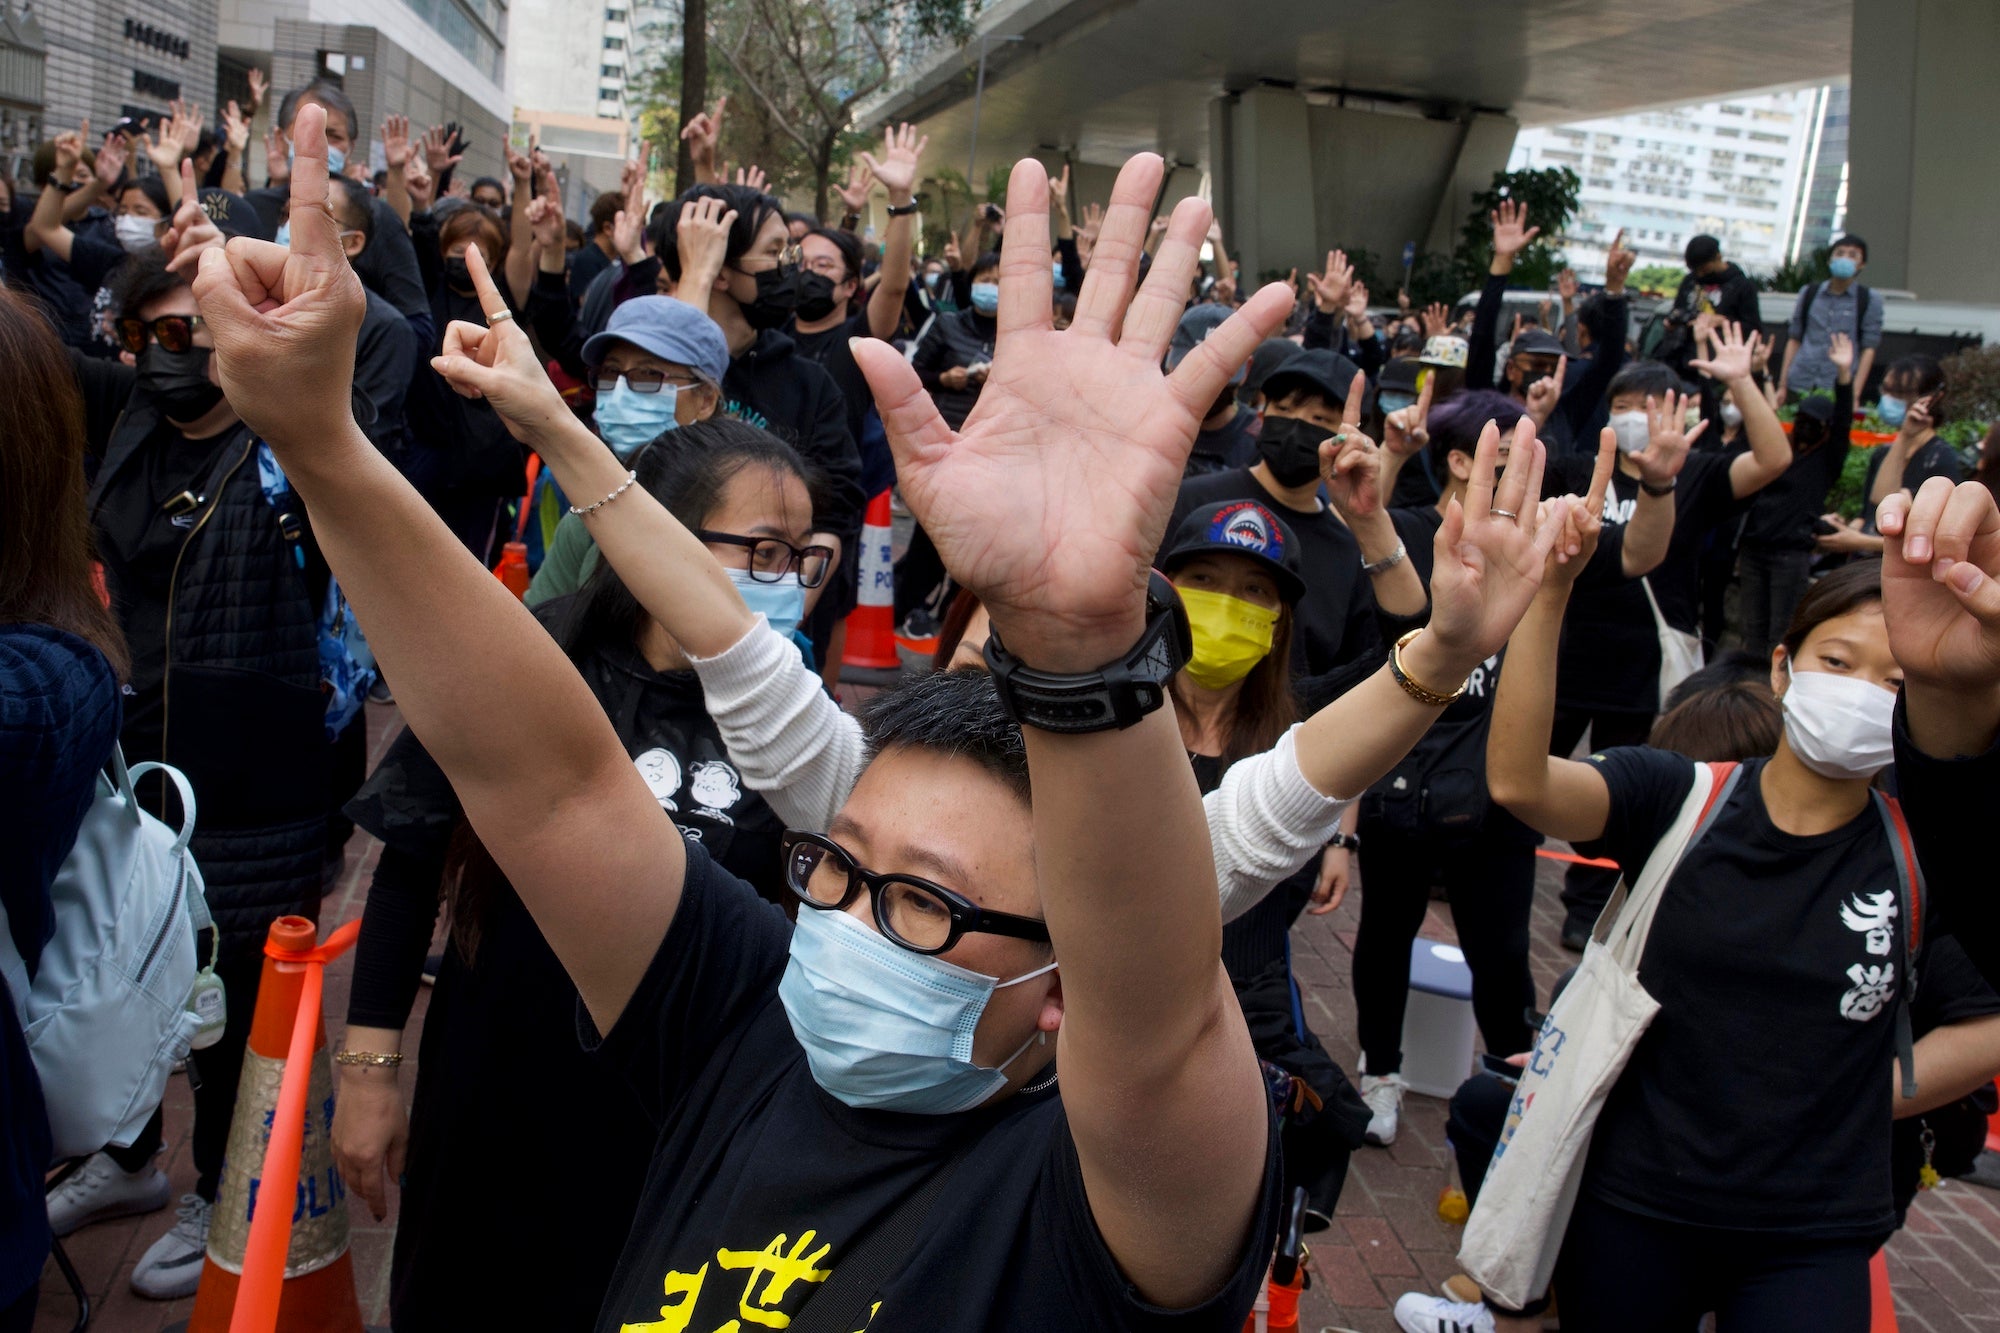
{"type": "Point", "coordinates": [913, 913]}
{"type": "Point", "coordinates": [173, 332]}
{"type": "Point", "coordinates": [643, 380]}
{"type": "Point", "coordinates": [771, 558]}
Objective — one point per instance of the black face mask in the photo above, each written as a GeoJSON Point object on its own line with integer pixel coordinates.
{"type": "Point", "coordinates": [816, 299]}
{"type": "Point", "coordinates": [458, 275]}
{"type": "Point", "coordinates": [1290, 448]}
{"type": "Point", "coordinates": [179, 381]}
{"type": "Point", "coordinates": [777, 297]}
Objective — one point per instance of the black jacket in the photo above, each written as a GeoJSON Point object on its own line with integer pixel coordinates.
{"type": "Point", "coordinates": [962, 338]}
{"type": "Point", "coordinates": [385, 360]}
{"type": "Point", "coordinates": [1732, 294]}
{"type": "Point", "coordinates": [771, 386]}
{"type": "Point", "coordinates": [1582, 400]}
{"type": "Point", "coordinates": [388, 266]}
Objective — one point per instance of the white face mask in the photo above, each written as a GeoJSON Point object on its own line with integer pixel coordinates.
{"type": "Point", "coordinates": [134, 233]}
{"type": "Point", "coordinates": [1839, 726]}
{"type": "Point", "coordinates": [1631, 430]}
{"type": "Point", "coordinates": [1732, 415]}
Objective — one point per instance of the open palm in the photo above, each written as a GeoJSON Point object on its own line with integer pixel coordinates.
{"type": "Point", "coordinates": [1492, 547]}
{"type": "Point", "coordinates": [1051, 501]}
{"type": "Point", "coordinates": [1941, 630]}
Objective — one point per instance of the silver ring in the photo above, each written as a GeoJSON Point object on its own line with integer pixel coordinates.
{"type": "Point", "coordinates": [491, 320]}
{"type": "Point", "coordinates": [1503, 513]}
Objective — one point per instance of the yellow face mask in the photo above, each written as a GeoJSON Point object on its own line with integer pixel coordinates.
{"type": "Point", "coordinates": [1231, 636]}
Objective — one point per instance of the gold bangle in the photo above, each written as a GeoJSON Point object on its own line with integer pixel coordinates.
{"type": "Point", "coordinates": [381, 1059]}
{"type": "Point", "coordinates": [1421, 693]}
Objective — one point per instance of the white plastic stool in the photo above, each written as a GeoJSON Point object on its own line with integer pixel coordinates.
{"type": "Point", "coordinates": [1437, 1019]}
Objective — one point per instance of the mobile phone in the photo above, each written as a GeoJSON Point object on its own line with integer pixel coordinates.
{"type": "Point", "coordinates": [1498, 1067]}
{"type": "Point", "coordinates": [991, 212]}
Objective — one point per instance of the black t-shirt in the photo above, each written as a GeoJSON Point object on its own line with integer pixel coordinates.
{"type": "Point", "coordinates": [1760, 1098]}
{"type": "Point", "coordinates": [1334, 623]}
{"type": "Point", "coordinates": [1935, 458]}
{"type": "Point", "coordinates": [1233, 444]}
{"type": "Point", "coordinates": [1783, 513]}
{"type": "Point", "coordinates": [140, 543]}
{"type": "Point", "coordinates": [1610, 659]}
{"type": "Point", "coordinates": [762, 1182]}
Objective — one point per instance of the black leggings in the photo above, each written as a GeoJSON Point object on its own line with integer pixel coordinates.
{"type": "Point", "coordinates": [1630, 1274]}
{"type": "Point", "coordinates": [1490, 884]}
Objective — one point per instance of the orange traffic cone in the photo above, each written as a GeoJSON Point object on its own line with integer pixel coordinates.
{"type": "Point", "coordinates": [1881, 1303]}
{"type": "Point", "coordinates": [318, 1294]}
{"type": "Point", "coordinates": [871, 627]}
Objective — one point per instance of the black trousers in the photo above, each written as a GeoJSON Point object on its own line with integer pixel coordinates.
{"type": "Point", "coordinates": [1586, 889]}
{"type": "Point", "coordinates": [1623, 1273]}
{"type": "Point", "coordinates": [1490, 884]}
{"type": "Point", "coordinates": [215, 1073]}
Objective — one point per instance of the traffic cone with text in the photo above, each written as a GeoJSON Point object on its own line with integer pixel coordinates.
{"type": "Point", "coordinates": [871, 627]}
{"type": "Point", "coordinates": [318, 1292]}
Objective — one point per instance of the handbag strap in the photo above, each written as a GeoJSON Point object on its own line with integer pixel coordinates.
{"type": "Point", "coordinates": [1627, 920]}
{"type": "Point", "coordinates": [841, 1305]}
{"type": "Point", "coordinates": [1910, 900]}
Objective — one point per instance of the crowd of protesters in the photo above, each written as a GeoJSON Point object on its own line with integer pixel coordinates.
{"type": "Point", "coordinates": [791, 984]}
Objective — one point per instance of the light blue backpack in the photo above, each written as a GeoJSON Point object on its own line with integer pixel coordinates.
{"type": "Point", "coordinates": [113, 1002]}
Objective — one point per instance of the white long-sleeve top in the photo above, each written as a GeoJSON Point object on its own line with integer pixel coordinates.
{"type": "Point", "coordinates": [804, 753]}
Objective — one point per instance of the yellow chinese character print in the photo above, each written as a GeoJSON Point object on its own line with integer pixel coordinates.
{"type": "Point", "coordinates": [683, 1292]}
{"type": "Point", "coordinates": [784, 1269]}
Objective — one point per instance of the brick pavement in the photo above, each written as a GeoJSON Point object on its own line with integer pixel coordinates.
{"type": "Point", "coordinates": [1945, 1266]}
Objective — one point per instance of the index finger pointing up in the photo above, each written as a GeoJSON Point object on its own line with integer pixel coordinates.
{"type": "Point", "coordinates": [1600, 475]}
{"type": "Point", "coordinates": [491, 303]}
{"type": "Point", "coordinates": [1350, 411]}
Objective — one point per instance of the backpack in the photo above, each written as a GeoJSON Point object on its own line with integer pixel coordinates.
{"type": "Point", "coordinates": [109, 1010]}
{"type": "Point", "coordinates": [346, 662]}
{"type": "Point", "coordinates": [1437, 792]}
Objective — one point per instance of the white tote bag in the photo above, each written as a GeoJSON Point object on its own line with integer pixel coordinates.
{"type": "Point", "coordinates": [1516, 1228]}
{"type": "Point", "coordinates": [1680, 651]}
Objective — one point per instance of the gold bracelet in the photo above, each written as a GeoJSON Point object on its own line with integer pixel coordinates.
{"type": "Point", "coordinates": [381, 1059]}
{"type": "Point", "coordinates": [1421, 693]}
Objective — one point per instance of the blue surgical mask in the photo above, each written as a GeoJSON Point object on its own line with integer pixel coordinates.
{"type": "Point", "coordinates": [1390, 400]}
{"type": "Point", "coordinates": [628, 420]}
{"type": "Point", "coordinates": [886, 1028]}
{"type": "Point", "coordinates": [1842, 267]}
{"type": "Point", "coordinates": [1892, 410]}
{"type": "Point", "coordinates": [986, 297]}
{"type": "Point", "coordinates": [783, 604]}
{"type": "Point", "coordinates": [336, 161]}
{"type": "Point", "coordinates": [1059, 277]}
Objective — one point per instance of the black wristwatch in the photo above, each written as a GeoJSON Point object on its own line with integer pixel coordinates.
{"type": "Point", "coordinates": [1657, 492]}
{"type": "Point", "coordinates": [1114, 696]}
{"type": "Point", "coordinates": [904, 210]}
{"type": "Point", "coordinates": [1350, 841]}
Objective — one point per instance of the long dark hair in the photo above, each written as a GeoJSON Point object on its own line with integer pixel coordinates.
{"type": "Point", "coordinates": [46, 576]}
{"type": "Point", "coordinates": [687, 470]}
{"type": "Point", "coordinates": [1264, 706]}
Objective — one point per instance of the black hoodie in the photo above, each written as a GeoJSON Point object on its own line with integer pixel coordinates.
{"type": "Point", "coordinates": [771, 386]}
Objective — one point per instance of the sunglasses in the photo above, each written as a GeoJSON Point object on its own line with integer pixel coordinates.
{"type": "Point", "coordinates": [642, 381]}
{"type": "Point", "coordinates": [913, 913]}
{"type": "Point", "coordinates": [175, 333]}
{"type": "Point", "coordinates": [771, 558]}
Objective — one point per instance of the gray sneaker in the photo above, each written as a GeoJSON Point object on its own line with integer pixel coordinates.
{"type": "Point", "coordinates": [171, 1266]}
{"type": "Point", "coordinates": [101, 1189]}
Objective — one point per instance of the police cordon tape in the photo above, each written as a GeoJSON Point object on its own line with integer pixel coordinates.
{"type": "Point", "coordinates": [278, 1246]}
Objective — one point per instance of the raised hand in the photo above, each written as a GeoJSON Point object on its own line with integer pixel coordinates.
{"type": "Point", "coordinates": [163, 145]}
{"type": "Point", "coordinates": [1545, 393]}
{"type": "Point", "coordinates": [1348, 461]}
{"type": "Point", "coordinates": [272, 309]}
{"type": "Point", "coordinates": [236, 128]}
{"type": "Point", "coordinates": [702, 236]}
{"type": "Point", "coordinates": [1668, 438]}
{"type": "Point", "coordinates": [953, 259]}
{"type": "Point", "coordinates": [896, 170]}
{"type": "Point", "coordinates": [1491, 549]}
{"type": "Point", "coordinates": [192, 231]}
{"type": "Point", "coordinates": [187, 129]}
{"type": "Point", "coordinates": [1730, 354]}
{"type": "Point", "coordinates": [1437, 319]}
{"type": "Point", "coordinates": [752, 176]}
{"type": "Point", "coordinates": [1583, 524]}
{"type": "Point", "coordinates": [1357, 306]}
{"type": "Point", "coordinates": [112, 156]}
{"type": "Point", "coordinates": [1511, 232]}
{"type": "Point", "coordinates": [521, 168]}
{"type": "Point", "coordinates": [1840, 351]}
{"type": "Point", "coordinates": [497, 362]}
{"type": "Point", "coordinates": [69, 152]}
{"type": "Point", "coordinates": [628, 236]}
{"type": "Point", "coordinates": [259, 85]}
{"type": "Point", "coordinates": [1618, 265]}
{"type": "Point", "coordinates": [438, 155]}
{"type": "Point", "coordinates": [545, 218]}
{"type": "Point", "coordinates": [417, 179]}
{"type": "Point", "coordinates": [701, 135]}
{"type": "Point", "coordinates": [1329, 289]}
{"type": "Point", "coordinates": [1407, 431]}
{"type": "Point", "coordinates": [277, 157]}
{"type": "Point", "coordinates": [396, 142]}
{"type": "Point", "coordinates": [854, 195]}
{"type": "Point", "coordinates": [1941, 586]}
{"type": "Point", "coordinates": [1051, 501]}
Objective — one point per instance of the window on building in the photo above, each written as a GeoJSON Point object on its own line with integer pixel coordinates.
{"type": "Point", "coordinates": [610, 72]}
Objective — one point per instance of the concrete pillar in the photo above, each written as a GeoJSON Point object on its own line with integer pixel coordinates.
{"type": "Point", "coordinates": [1269, 222]}
{"type": "Point", "coordinates": [1923, 165]}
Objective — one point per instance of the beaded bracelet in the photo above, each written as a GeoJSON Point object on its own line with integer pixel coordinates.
{"type": "Point", "coordinates": [630, 477]}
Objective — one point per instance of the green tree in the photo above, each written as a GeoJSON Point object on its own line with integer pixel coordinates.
{"type": "Point", "coordinates": [1657, 278]}
{"type": "Point", "coordinates": [1551, 196]}
{"type": "Point", "coordinates": [1798, 274]}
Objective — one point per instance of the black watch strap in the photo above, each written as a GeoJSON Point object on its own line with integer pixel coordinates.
{"type": "Point", "coordinates": [1658, 492]}
{"type": "Point", "coordinates": [1114, 696]}
{"type": "Point", "coordinates": [905, 211]}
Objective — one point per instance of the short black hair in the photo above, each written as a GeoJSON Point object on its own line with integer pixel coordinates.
{"type": "Point", "coordinates": [494, 181]}
{"type": "Point", "coordinates": [847, 243]}
{"type": "Point", "coordinates": [153, 188]}
{"type": "Point", "coordinates": [329, 95]}
{"type": "Point", "coordinates": [1729, 669]}
{"type": "Point", "coordinates": [141, 279]}
{"type": "Point", "coordinates": [604, 211]}
{"type": "Point", "coordinates": [989, 259]}
{"type": "Point", "coordinates": [357, 205]}
{"type": "Point", "coordinates": [811, 222]}
{"type": "Point", "coordinates": [1923, 377]}
{"type": "Point", "coordinates": [954, 713]}
{"type": "Point", "coordinates": [753, 209]}
{"type": "Point", "coordinates": [1851, 239]}
{"type": "Point", "coordinates": [1703, 249]}
{"type": "Point", "coordinates": [1654, 379]}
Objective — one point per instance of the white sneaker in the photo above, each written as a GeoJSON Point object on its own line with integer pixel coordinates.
{"type": "Point", "coordinates": [1421, 1313]}
{"type": "Point", "coordinates": [171, 1266]}
{"type": "Point", "coordinates": [101, 1189]}
{"type": "Point", "coordinates": [1384, 1097]}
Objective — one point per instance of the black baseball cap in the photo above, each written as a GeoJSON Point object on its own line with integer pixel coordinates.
{"type": "Point", "coordinates": [233, 215]}
{"type": "Point", "coordinates": [1399, 374]}
{"type": "Point", "coordinates": [1245, 528]}
{"type": "Point", "coordinates": [1270, 354]}
{"type": "Point", "coordinates": [1316, 370]}
{"type": "Point", "coordinates": [1536, 342]}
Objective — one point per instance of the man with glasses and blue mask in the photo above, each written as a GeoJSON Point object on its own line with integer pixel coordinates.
{"type": "Point", "coordinates": [863, 1122]}
{"type": "Point", "coordinates": [659, 364]}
